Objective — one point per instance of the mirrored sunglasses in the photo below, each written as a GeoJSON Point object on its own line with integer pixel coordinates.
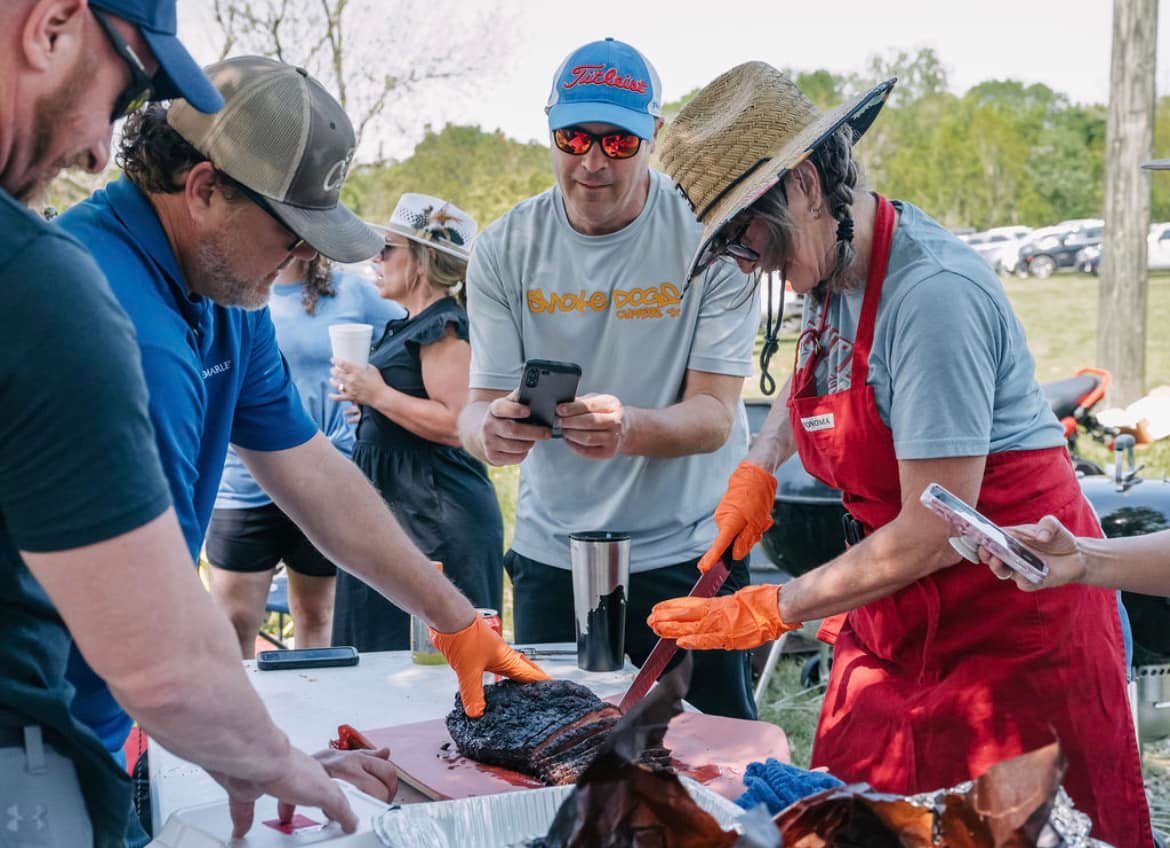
{"type": "Point", "coordinates": [577, 142]}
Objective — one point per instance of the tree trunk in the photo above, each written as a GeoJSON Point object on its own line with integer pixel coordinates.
{"type": "Point", "coordinates": [1129, 136]}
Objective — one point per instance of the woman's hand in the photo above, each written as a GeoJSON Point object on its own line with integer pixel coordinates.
{"type": "Point", "coordinates": [358, 385]}
{"type": "Point", "coordinates": [1055, 545]}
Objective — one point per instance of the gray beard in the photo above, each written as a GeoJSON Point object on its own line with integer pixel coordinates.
{"type": "Point", "coordinates": [219, 282]}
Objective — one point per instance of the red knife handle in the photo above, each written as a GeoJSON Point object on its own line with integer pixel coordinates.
{"type": "Point", "coordinates": [665, 649]}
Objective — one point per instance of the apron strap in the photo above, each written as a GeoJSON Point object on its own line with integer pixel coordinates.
{"type": "Point", "coordinates": [879, 261]}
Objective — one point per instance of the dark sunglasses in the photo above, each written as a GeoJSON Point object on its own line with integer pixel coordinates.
{"type": "Point", "coordinates": [728, 243]}
{"type": "Point", "coordinates": [615, 145]}
{"type": "Point", "coordinates": [141, 86]}
{"type": "Point", "coordinates": [264, 205]}
{"type": "Point", "coordinates": [385, 251]}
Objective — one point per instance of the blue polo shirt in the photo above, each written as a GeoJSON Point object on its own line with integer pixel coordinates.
{"type": "Point", "coordinates": [214, 373]}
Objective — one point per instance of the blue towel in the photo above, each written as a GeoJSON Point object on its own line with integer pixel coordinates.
{"type": "Point", "coordinates": [778, 785]}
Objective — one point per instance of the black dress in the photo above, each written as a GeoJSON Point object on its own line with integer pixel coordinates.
{"type": "Point", "coordinates": [441, 495]}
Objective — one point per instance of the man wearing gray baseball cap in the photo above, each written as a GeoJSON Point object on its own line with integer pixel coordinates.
{"type": "Point", "coordinates": [210, 209]}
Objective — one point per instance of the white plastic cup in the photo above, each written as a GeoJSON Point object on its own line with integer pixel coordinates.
{"type": "Point", "coordinates": [351, 342]}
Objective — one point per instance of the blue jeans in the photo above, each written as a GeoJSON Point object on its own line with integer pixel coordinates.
{"type": "Point", "coordinates": [1126, 636]}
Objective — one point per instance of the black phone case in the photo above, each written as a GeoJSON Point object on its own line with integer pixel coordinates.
{"type": "Point", "coordinates": [281, 660]}
{"type": "Point", "coordinates": [544, 384]}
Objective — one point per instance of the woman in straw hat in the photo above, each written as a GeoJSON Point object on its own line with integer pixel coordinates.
{"type": "Point", "coordinates": [410, 397]}
{"type": "Point", "coordinates": [911, 369]}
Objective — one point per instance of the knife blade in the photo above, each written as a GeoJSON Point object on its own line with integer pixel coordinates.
{"type": "Point", "coordinates": [665, 649]}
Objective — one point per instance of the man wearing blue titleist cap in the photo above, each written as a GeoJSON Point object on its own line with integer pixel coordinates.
{"type": "Point", "coordinates": [593, 271]}
{"type": "Point", "coordinates": [89, 544]}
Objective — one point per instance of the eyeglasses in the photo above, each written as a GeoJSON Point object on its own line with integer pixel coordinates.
{"type": "Point", "coordinates": [728, 243]}
{"type": "Point", "coordinates": [141, 86]}
{"type": "Point", "coordinates": [615, 145]}
{"type": "Point", "coordinates": [385, 251]}
{"type": "Point", "coordinates": [264, 205]}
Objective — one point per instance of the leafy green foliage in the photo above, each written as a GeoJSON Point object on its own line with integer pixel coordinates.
{"type": "Point", "coordinates": [483, 173]}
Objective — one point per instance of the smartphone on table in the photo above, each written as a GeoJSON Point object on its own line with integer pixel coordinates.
{"type": "Point", "coordinates": [545, 383]}
{"type": "Point", "coordinates": [339, 655]}
{"type": "Point", "coordinates": [975, 531]}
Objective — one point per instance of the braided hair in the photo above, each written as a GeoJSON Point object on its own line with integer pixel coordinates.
{"type": "Point", "coordinates": [839, 175]}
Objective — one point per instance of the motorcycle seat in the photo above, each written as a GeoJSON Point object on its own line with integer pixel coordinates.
{"type": "Point", "coordinates": [1064, 396]}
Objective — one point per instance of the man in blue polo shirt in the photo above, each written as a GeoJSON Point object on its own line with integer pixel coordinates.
{"type": "Point", "coordinates": [211, 208]}
{"type": "Point", "coordinates": [88, 538]}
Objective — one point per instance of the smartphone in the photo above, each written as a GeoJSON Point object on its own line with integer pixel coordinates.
{"type": "Point", "coordinates": [307, 658]}
{"type": "Point", "coordinates": [976, 531]}
{"type": "Point", "coordinates": [545, 384]}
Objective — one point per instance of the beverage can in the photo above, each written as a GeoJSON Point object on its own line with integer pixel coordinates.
{"type": "Point", "coordinates": [492, 617]}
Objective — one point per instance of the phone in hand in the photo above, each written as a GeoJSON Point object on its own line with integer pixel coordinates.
{"type": "Point", "coordinates": [544, 384]}
{"type": "Point", "coordinates": [339, 655]}
{"type": "Point", "coordinates": [976, 531]}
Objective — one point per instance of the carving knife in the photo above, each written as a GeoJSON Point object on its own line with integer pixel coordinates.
{"type": "Point", "coordinates": [665, 650]}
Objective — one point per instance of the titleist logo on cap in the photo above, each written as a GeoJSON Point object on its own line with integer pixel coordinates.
{"type": "Point", "coordinates": [601, 75]}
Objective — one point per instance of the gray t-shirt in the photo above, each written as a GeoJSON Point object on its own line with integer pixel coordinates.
{"type": "Point", "coordinates": [950, 366]}
{"type": "Point", "coordinates": [615, 305]}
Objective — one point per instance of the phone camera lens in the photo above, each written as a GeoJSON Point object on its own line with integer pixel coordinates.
{"type": "Point", "coordinates": [531, 377]}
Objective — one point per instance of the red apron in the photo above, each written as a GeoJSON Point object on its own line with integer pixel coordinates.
{"type": "Point", "coordinates": [959, 670]}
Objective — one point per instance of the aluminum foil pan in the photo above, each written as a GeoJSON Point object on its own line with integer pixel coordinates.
{"type": "Point", "coordinates": [1067, 827]}
{"type": "Point", "coordinates": [503, 821]}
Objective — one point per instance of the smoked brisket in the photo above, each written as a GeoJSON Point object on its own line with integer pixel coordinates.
{"type": "Point", "coordinates": [550, 729]}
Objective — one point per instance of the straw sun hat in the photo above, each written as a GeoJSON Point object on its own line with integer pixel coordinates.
{"type": "Point", "coordinates": [744, 131]}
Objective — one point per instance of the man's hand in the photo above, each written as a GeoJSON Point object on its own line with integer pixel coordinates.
{"type": "Point", "coordinates": [747, 619]}
{"type": "Point", "coordinates": [1055, 545]}
{"type": "Point", "coordinates": [476, 649]}
{"type": "Point", "coordinates": [301, 780]}
{"type": "Point", "coordinates": [369, 771]}
{"type": "Point", "coordinates": [505, 440]}
{"type": "Point", "coordinates": [743, 514]}
{"type": "Point", "coordinates": [594, 425]}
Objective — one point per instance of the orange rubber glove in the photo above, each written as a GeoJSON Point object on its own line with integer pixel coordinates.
{"type": "Point", "coordinates": [747, 619]}
{"type": "Point", "coordinates": [743, 514]}
{"type": "Point", "coordinates": [476, 649]}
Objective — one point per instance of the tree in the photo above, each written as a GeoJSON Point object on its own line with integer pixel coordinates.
{"type": "Point", "coordinates": [373, 55]}
{"type": "Point", "coordinates": [484, 173]}
{"type": "Point", "coordinates": [1122, 297]}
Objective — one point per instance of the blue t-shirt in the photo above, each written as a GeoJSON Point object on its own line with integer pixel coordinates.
{"type": "Point", "coordinates": [950, 366]}
{"type": "Point", "coordinates": [304, 341]}
{"type": "Point", "coordinates": [214, 373]}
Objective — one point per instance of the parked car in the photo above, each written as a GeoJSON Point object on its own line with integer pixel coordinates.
{"type": "Point", "coordinates": [1052, 248]}
{"type": "Point", "coordinates": [1157, 252]}
{"type": "Point", "coordinates": [1000, 246]}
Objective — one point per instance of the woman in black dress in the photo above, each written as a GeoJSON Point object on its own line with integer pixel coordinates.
{"type": "Point", "coordinates": [409, 398]}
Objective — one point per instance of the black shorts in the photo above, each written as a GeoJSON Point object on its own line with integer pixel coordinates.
{"type": "Point", "coordinates": [257, 538]}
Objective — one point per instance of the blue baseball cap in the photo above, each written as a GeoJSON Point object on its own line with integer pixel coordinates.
{"type": "Point", "coordinates": [179, 75]}
{"type": "Point", "coordinates": [606, 82]}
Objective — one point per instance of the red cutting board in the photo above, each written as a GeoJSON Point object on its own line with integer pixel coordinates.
{"type": "Point", "coordinates": [713, 750]}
